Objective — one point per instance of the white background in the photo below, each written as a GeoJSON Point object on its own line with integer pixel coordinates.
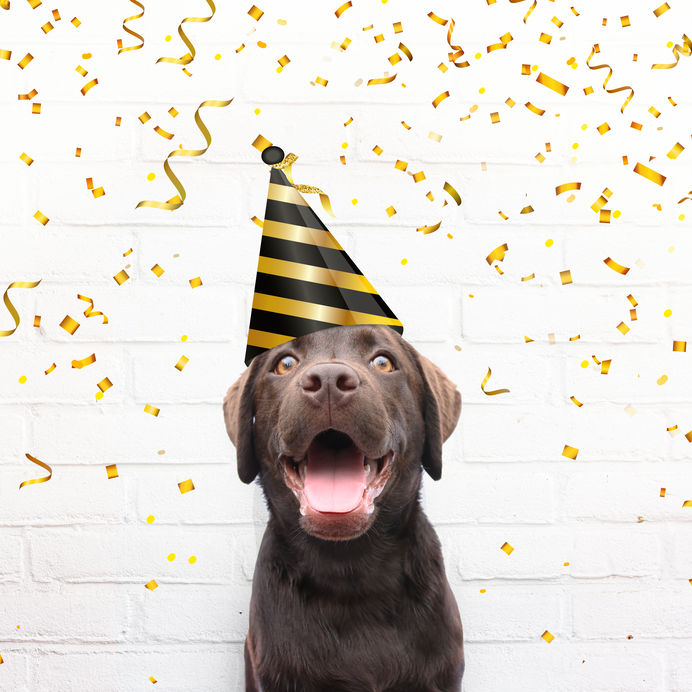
{"type": "Point", "coordinates": [600, 559]}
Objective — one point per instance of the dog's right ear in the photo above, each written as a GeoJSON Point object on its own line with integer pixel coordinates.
{"type": "Point", "coordinates": [238, 412]}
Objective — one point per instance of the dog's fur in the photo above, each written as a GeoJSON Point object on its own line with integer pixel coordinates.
{"type": "Point", "coordinates": [351, 602]}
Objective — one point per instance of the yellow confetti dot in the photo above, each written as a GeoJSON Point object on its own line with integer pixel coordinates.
{"type": "Point", "coordinates": [584, 126]}
{"type": "Point", "coordinates": [668, 313]}
{"type": "Point", "coordinates": [549, 242]}
{"type": "Point", "coordinates": [150, 519]}
{"type": "Point", "coordinates": [404, 261]}
{"type": "Point", "coordinates": [575, 65]}
{"type": "Point", "coordinates": [585, 364]}
{"type": "Point", "coordinates": [22, 379]}
{"type": "Point", "coordinates": [217, 56]}
{"type": "Point", "coordinates": [681, 217]}
{"type": "Point", "coordinates": [171, 557]}
{"type": "Point", "coordinates": [151, 176]}
{"type": "Point", "coordinates": [534, 68]}
{"type": "Point", "coordinates": [565, 564]}
{"type": "Point", "coordinates": [575, 145]}
{"type": "Point", "coordinates": [617, 213]}
{"type": "Point", "coordinates": [168, 38]}
{"type": "Point", "coordinates": [257, 111]}
{"type": "Point", "coordinates": [192, 559]}
{"type": "Point", "coordinates": [669, 44]}
{"type": "Point", "coordinates": [344, 145]}
{"type": "Point", "coordinates": [671, 248]}
{"type": "Point", "coordinates": [354, 201]}
{"type": "Point", "coordinates": [183, 337]}
{"type": "Point", "coordinates": [99, 396]}
{"type": "Point", "coordinates": [573, 159]}
{"type": "Point", "coordinates": [477, 56]}
{"type": "Point", "coordinates": [482, 590]}
{"type": "Point", "coordinates": [662, 380]}
{"type": "Point", "coordinates": [279, 69]}
{"type": "Point", "coordinates": [481, 90]}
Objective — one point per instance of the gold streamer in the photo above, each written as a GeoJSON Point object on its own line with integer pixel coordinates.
{"type": "Point", "coordinates": [129, 31]}
{"type": "Point", "coordinates": [678, 50]}
{"type": "Point", "coordinates": [190, 56]}
{"type": "Point", "coordinates": [498, 254]}
{"type": "Point", "coordinates": [494, 391]}
{"type": "Point", "coordinates": [42, 465]}
{"type": "Point", "coordinates": [594, 50]}
{"type": "Point", "coordinates": [286, 166]}
{"type": "Point", "coordinates": [89, 85]}
{"type": "Point", "coordinates": [649, 174]}
{"type": "Point", "coordinates": [452, 192]}
{"type": "Point", "coordinates": [440, 98]}
{"type": "Point", "coordinates": [11, 309]}
{"type": "Point", "coordinates": [90, 312]}
{"type": "Point", "coordinates": [340, 10]}
{"type": "Point", "coordinates": [566, 187]}
{"type": "Point", "coordinates": [457, 51]}
{"type": "Point", "coordinates": [619, 268]}
{"type": "Point", "coordinates": [83, 362]}
{"type": "Point", "coordinates": [531, 9]}
{"type": "Point", "coordinates": [376, 80]}
{"type": "Point", "coordinates": [170, 206]}
{"type": "Point", "coordinates": [429, 229]}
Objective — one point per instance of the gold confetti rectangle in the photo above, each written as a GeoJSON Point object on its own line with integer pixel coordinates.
{"type": "Point", "coordinates": [632, 300]}
{"type": "Point", "coordinates": [390, 211]}
{"type": "Point", "coordinates": [440, 98]}
{"type": "Point", "coordinates": [570, 452]}
{"type": "Point", "coordinates": [554, 84]}
{"type": "Point", "coordinates": [507, 548]}
{"type": "Point", "coordinates": [575, 401]}
{"type": "Point", "coordinates": [182, 362]}
{"type": "Point", "coordinates": [69, 325]}
{"type": "Point", "coordinates": [36, 109]}
{"type": "Point", "coordinates": [566, 277]}
{"type": "Point", "coordinates": [401, 165]}
{"type": "Point", "coordinates": [394, 59]}
{"type": "Point", "coordinates": [26, 158]}
{"type": "Point", "coordinates": [654, 111]}
{"type": "Point", "coordinates": [604, 216]}
{"type": "Point", "coordinates": [90, 183]}
{"type": "Point", "coordinates": [635, 126]}
{"type": "Point", "coordinates": [649, 174]}
{"type": "Point", "coordinates": [41, 218]}
{"type": "Point", "coordinates": [151, 585]}
{"type": "Point", "coordinates": [434, 136]}
{"type": "Point", "coordinates": [510, 102]}
{"type": "Point", "coordinates": [173, 112]}
{"type": "Point", "coordinates": [675, 151]}
{"type": "Point", "coordinates": [152, 410]}
{"type": "Point", "coordinates": [56, 15]}
{"type": "Point", "coordinates": [83, 362]}
{"type": "Point", "coordinates": [152, 680]}
{"type": "Point", "coordinates": [546, 636]}
{"type": "Point", "coordinates": [321, 81]}
{"type": "Point", "coordinates": [255, 13]}
{"type": "Point", "coordinates": [662, 492]}
{"type": "Point", "coordinates": [47, 27]}
{"type": "Point", "coordinates": [118, 121]}
{"type": "Point", "coordinates": [105, 384]}
{"type": "Point", "coordinates": [50, 369]}
{"type": "Point", "coordinates": [622, 328]}
{"type": "Point", "coordinates": [261, 143]}
{"type": "Point", "coordinates": [377, 149]}
{"type": "Point", "coordinates": [81, 70]}
{"type": "Point", "coordinates": [605, 367]}
{"type": "Point", "coordinates": [5, 54]}
{"type": "Point", "coordinates": [186, 486]}
{"type": "Point", "coordinates": [417, 177]}
{"type": "Point", "coordinates": [25, 60]}
{"type": "Point", "coordinates": [688, 436]}
{"type": "Point", "coordinates": [526, 69]}
{"type": "Point", "coordinates": [494, 117]}
{"type": "Point", "coordinates": [37, 320]}
{"type": "Point", "coordinates": [196, 282]}
{"type": "Point", "coordinates": [157, 270]}
{"type": "Point", "coordinates": [112, 471]}
{"type": "Point", "coordinates": [625, 21]}
{"type": "Point", "coordinates": [588, 90]}
{"type": "Point", "coordinates": [680, 346]}
{"type": "Point", "coordinates": [98, 192]}
{"type": "Point", "coordinates": [397, 27]}
{"type": "Point", "coordinates": [379, 38]}
{"type": "Point", "coordinates": [34, 3]}
{"type": "Point", "coordinates": [545, 38]}
{"type": "Point", "coordinates": [633, 314]}
{"type": "Point", "coordinates": [534, 109]}
{"type": "Point", "coordinates": [660, 10]}
{"type": "Point", "coordinates": [121, 277]}
{"type": "Point", "coordinates": [75, 21]}
{"type": "Point", "coordinates": [144, 117]}
{"type": "Point", "coordinates": [284, 60]}
{"type": "Point", "coordinates": [619, 268]}
{"type": "Point", "coordinates": [557, 22]}
{"type": "Point", "coordinates": [27, 97]}
{"type": "Point", "coordinates": [78, 152]}
{"type": "Point", "coordinates": [603, 128]}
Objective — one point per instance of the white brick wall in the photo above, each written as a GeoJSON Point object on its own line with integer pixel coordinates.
{"type": "Point", "coordinates": [600, 559]}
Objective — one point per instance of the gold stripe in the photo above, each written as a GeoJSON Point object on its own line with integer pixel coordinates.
{"type": "Point", "coordinates": [318, 275]}
{"type": "Point", "coordinates": [300, 234]}
{"type": "Point", "coordinates": [262, 339]}
{"type": "Point", "coordinates": [285, 193]}
{"type": "Point", "coordinates": [322, 313]}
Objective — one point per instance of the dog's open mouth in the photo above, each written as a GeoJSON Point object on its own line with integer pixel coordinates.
{"type": "Point", "coordinates": [336, 477]}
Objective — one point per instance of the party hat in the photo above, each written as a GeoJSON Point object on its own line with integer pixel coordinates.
{"type": "Point", "coordinates": [305, 280]}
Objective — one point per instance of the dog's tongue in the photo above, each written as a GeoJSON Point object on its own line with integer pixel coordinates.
{"type": "Point", "coordinates": [334, 478]}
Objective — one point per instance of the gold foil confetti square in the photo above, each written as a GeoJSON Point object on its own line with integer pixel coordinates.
{"type": "Point", "coordinates": [182, 362]}
{"type": "Point", "coordinates": [69, 325]}
{"type": "Point", "coordinates": [284, 60]}
{"type": "Point", "coordinates": [680, 346]}
{"type": "Point", "coordinates": [145, 117]}
{"type": "Point", "coordinates": [526, 69]}
{"type": "Point", "coordinates": [157, 270]}
{"type": "Point", "coordinates": [25, 60]}
{"type": "Point", "coordinates": [26, 158]}
{"type": "Point", "coordinates": [660, 10]}
{"type": "Point", "coordinates": [76, 22]}
{"type": "Point", "coordinates": [261, 143]}
{"type": "Point", "coordinates": [545, 38]}
{"type": "Point", "coordinates": [397, 27]}
{"type": "Point", "coordinates": [588, 90]}
{"type": "Point", "coordinates": [47, 27]}
{"type": "Point", "coordinates": [379, 38]}
{"type": "Point", "coordinates": [151, 410]}
{"type": "Point", "coordinates": [566, 277]}
{"type": "Point", "coordinates": [604, 216]}
{"type": "Point", "coordinates": [56, 15]}
{"type": "Point", "coordinates": [112, 471]}
{"type": "Point", "coordinates": [78, 152]}
{"type": "Point", "coordinates": [121, 277]}
{"type": "Point", "coordinates": [186, 486]}
{"type": "Point", "coordinates": [98, 192]}
{"type": "Point", "coordinates": [196, 282]}
{"type": "Point", "coordinates": [675, 151]}
{"type": "Point", "coordinates": [390, 211]}
{"type": "Point", "coordinates": [494, 117]}
{"type": "Point", "coordinates": [570, 452]}
{"type": "Point", "coordinates": [255, 13]}
{"type": "Point", "coordinates": [662, 492]}
{"type": "Point", "coordinates": [377, 149]}
{"type": "Point", "coordinates": [603, 128]}
{"type": "Point", "coordinates": [5, 54]}
{"type": "Point", "coordinates": [151, 585]}
{"type": "Point", "coordinates": [546, 636]}
{"type": "Point", "coordinates": [105, 384]}
{"type": "Point", "coordinates": [36, 109]}
{"type": "Point", "coordinates": [394, 59]}
{"type": "Point", "coordinates": [321, 81]}
{"type": "Point", "coordinates": [152, 679]}
{"type": "Point", "coordinates": [625, 21]}
{"type": "Point", "coordinates": [434, 136]}
{"type": "Point", "coordinates": [417, 177]}
{"type": "Point", "coordinates": [118, 121]}
{"type": "Point", "coordinates": [507, 548]}
{"type": "Point", "coordinates": [400, 165]}
{"type": "Point", "coordinates": [655, 112]}
{"type": "Point", "coordinates": [37, 320]}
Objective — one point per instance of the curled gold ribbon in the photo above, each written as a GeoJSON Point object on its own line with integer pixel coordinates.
{"type": "Point", "coordinates": [129, 31]}
{"type": "Point", "coordinates": [678, 50]}
{"type": "Point", "coordinates": [90, 312]}
{"type": "Point", "coordinates": [171, 205]}
{"type": "Point", "coordinates": [11, 309]}
{"type": "Point", "coordinates": [286, 166]}
{"type": "Point", "coordinates": [494, 391]}
{"type": "Point", "coordinates": [457, 51]}
{"type": "Point", "coordinates": [190, 56]}
{"type": "Point", "coordinates": [607, 79]}
{"type": "Point", "coordinates": [42, 465]}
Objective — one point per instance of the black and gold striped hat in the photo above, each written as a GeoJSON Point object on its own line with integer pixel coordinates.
{"type": "Point", "coordinates": [305, 280]}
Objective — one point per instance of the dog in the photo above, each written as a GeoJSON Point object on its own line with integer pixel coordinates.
{"type": "Point", "coordinates": [349, 592]}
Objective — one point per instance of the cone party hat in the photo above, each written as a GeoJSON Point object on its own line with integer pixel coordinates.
{"type": "Point", "coordinates": [305, 280]}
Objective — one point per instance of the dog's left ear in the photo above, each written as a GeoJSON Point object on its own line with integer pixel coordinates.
{"type": "Point", "coordinates": [238, 412]}
{"type": "Point", "coordinates": [442, 406]}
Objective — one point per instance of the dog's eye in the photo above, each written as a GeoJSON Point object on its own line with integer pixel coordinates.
{"type": "Point", "coordinates": [286, 364]}
{"type": "Point", "coordinates": [382, 363]}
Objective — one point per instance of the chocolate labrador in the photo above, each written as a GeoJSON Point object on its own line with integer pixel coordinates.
{"type": "Point", "coordinates": [349, 591]}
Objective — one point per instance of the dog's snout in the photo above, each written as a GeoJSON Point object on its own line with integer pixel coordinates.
{"type": "Point", "coordinates": [329, 383]}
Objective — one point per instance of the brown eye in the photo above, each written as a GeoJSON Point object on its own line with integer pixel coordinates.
{"type": "Point", "coordinates": [382, 363]}
{"type": "Point", "coordinates": [286, 364]}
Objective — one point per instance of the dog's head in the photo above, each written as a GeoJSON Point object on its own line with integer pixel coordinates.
{"type": "Point", "coordinates": [338, 424]}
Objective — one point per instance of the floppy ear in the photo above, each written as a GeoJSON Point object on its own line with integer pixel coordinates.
{"type": "Point", "coordinates": [441, 409]}
{"type": "Point", "coordinates": [238, 412]}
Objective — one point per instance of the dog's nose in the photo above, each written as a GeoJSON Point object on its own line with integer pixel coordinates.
{"type": "Point", "coordinates": [330, 384]}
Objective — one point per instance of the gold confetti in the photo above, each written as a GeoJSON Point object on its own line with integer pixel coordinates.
{"type": "Point", "coordinates": [90, 312]}
{"type": "Point", "coordinates": [37, 320]}
{"type": "Point", "coordinates": [69, 325]}
{"type": "Point", "coordinates": [566, 277]}
{"type": "Point", "coordinates": [510, 102]}
{"type": "Point", "coordinates": [546, 636]}
{"type": "Point", "coordinates": [254, 12]}
{"type": "Point", "coordinates": [186, 486]}
{"type": "Point", "coordinates": [498, 254]}
{"type": "Point", "coordinates": [684, 49]}
{"type": "Point", "coordinates": [551, 83]}
{"type": "Point", "coordinates": [76, 22]}
{"type": "Point", "coordinates": [197, 281]}
{"type": "Point", "coordinates": [405, 125]}
{"type": "Point", "coordinates": [565, 187]}
{"type": "Point", "coordinates": [25, 60]}
{"type": "Point", "coordinates": [390, 211]}
{"type": "Point", "coordinates": [405, 50]}
{"type": "Point", "coordinates": [381, 80]}
{"type": "Point", "coordinates": [98, 192]}
{"type": "Point", "coordinates": [687, 503]}
{"type": "Point", "coordinates": [157, 270]}
{"type": "Point", "coordinates": [528, 278]}
{"type": "Point", "coordinates": [163, 133]}
{"type": "Point", "coordinates": [527, 210]}
{"type": "Point", "coordinates": [649, 174]}
{"type": "Point", "coordinates": [675, 151]}
{"type": "Point", "coordinates": [534, 109]}
{"type": "Point", "coordinates": [429, 229]}
{"type": "Point", "coordinates": [284, 60]}
{"type": "Point", "coordinates": [190, 56]}
{"type": "Point", "coordinates": [340, 10]}
{"type": "Point", "coordinates": [418, 177]}
{"type": "Point", "coordinates": [182, 362]}
{"type": "Point", "coordinates": [50, 369]}
{"type": "Point", "coordinates": [5, 54]}
{"type": "Point", "coordinates": [494, 117]}
{"type": "Point", "coordinates": [494, 391]}
{"type": "Point", "coordinates": [604, 216]}
{"type": "Point", "coordinates": [619, 268]}
{"type": "Point", "coordinates": [625, 21]}
{"type": "Point", "coordinates": [257, 221]}
{"type": "Point", "coordinates": [660, 10]}
{"type": "Point", "coordinates": [34, 3]}
{"type": "Point", "coordinates": [437, 19]}
{"type": "Point", "coordinates": [47, 28]}
{"type": "Point", "coordinates": [27, 97]}
{"type": "Point", "coordinates": [622, 328]}
{"type": "Point", "coordinates": [26, 158]}
{"type": "Point", "coordinates": [79, 364]}
{"type": "Point", "coordinates": [439, 99]}
{"type": "Point", "coordinates": [603, 128]}
{"type": "Point", "coordinates": [10, 307]}
{"type": "Point", "coordinates": [570, 452]}
{"type": "Point", "coordinates": [151, 410]}
{"type": "Point", "coordinates": [456, 51]}
{"type": "Point", "coordinates": [152, 679]}
{"type": "Point", "coordinates": [88, 86]}
{"type": "Point", "coordinates": [118, 121]}
{"type": "Point", "coordinates": [151, 585]}
{"type": "Point", "coordinates": [545, 38]}
{"type": "Point", "coordinates": [187, 152]}
{"type": "Point", "coordinates": [575, 401]}
{"type": "Point", "coordinates": [632, 300]}
{"type": "Point", "coordinates": [397, 27]}
{"type": "Point", "coordinates": [594, 50]}
{"type": "Point", "coordinates": [557, 22]}
{"type": "Point", "coordinates": [662, 380]}
{"type": "Point", "coordinates": [121, 277]}
{"type": "Point", "coordinates": [104, 385]}
{"type": "Point", "coordinates": [662, 492]}
{"type": "Point", "coordinates": [449, 189]}
{"type": "Point", "coordinates": [400, 165]}
{"type": "Point", "coordinates": [43, 465]}
{"type": "Point", "coordinates": [680, 346]}
{"type": "Point", "coordinates": [112, 471]}
{"type": "Point", "coordinates": [129, 31]}
{"type": "Point", "coordinates": [434, 136]}
{"type": "Point", "coordinates": [507, 548]}
{"type": "Point", "coordinates": [144, 117]}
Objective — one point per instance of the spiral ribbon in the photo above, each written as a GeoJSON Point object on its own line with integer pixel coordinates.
{"type": "Point", "coordinates": [286, 165]}
{"type": "Point", "coordinates": [610, 74]}
{"type": "Point", "coordinates": [171, 205]}
{"type": "Point", "coordinates": [37, 480]}
{"type": "Point", "coordinates": [11, 309]}
{"type": "Point", "coordinates": [190, 56]}
{"type": "Point", "coordinates": [678, 50]}
{"type": "Point", "coordinates": [494, 391]}
{"type": "Point", "coordinates": [129, 31]}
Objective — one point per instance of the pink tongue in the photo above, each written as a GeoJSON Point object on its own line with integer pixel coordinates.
{"type": "Point", "coordinates": [334, 479]}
